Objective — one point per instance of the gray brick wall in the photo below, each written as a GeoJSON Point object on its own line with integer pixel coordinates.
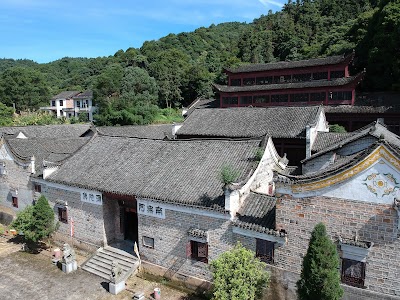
{"type": "Point", "coordinates": [373, 222]}
{"type": "Point", "coordinates": [88, 218]}
{"type": "Point", "coordinates": [171, 237]}
{"type": "Point", "coordinates": [17, 177]}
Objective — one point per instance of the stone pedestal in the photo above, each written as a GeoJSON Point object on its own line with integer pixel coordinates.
{"type": "Point", "coordinates": [115, 288]}
{"type": "Point", "coordinates": [69, 267]}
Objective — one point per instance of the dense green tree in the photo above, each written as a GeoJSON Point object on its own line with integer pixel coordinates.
{"type": "Point", "coordinates": [238, 275]}
{"type": "Point", "coordinates": [320, 277]}
{"type": "Point", "coordinates": [24, 87]}
{"type": "Point", "coordinates": [6, 115]}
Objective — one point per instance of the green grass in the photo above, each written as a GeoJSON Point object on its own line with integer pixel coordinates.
{"type": "Point", "coordinates": [168, 115]}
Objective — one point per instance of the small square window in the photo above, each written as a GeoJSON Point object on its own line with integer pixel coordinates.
{"type": "Point", "coordinates": [14, 201]}
{"type": "Point", "coordinates": [38, 188]}
{"type": "Point", "coordinates": [265, 251]}
{"type": "Point", "coordinates": [61, 102]}
{"type": "Point", "coordinates": [148, 242]}
{"type": "Point", "coordinates": [63, 215]}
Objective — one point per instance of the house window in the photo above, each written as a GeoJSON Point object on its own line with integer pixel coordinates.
{"type": "Point", "coordinates": [261, 99]}
{"type": "Point", "coordinates": [14, 201]}
{"type": "Point", "coordinates": [62, 215]}
{"type": "Point", "coordinates": [317, 97]}
{"type": "Point", "coordinates": [280, 98]}
{"type": "Point", "coordinates": [246, 99]}
{"type": "Point", "coordinates": [236, 82]}
{"type": "Point", "coordinates": [265, 251]}
{"type": "Point", "coordinates": [337, 74]}
{"type": "Point", "coordinates": [248, 81]}
{"type": "Point", "coordinates": [78, 103]}
{"type": "Point", "coordinates": [198, 251]}
{"type": "Point", "coordinates": [320, 76]}
{"type": "Point", "coordinates": [148, 242]}
{"type": "Point", "coordinates": [353, 272]}
{"type": "Point", "coordinates": [264, 80]}
{"type": "Point", "coordinates": [38, 188]}
{"type": "Point", "coordinates": [61, 102]}
{"type": "Point", "coordinates": [53, 103]}
{"type": "Point", "coordinates": [303, 97]}
{"type": "Point", "coordinates": [230, 100]}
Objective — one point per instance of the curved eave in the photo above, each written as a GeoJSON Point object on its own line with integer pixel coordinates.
{"type": "Point", "coordinates": [346, 171]}
{"type": "Point", "coordinates": [283, 65]}
{"type": "Point", "coordinates": [340, 82]}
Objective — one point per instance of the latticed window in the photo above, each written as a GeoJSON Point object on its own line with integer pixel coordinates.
{"type": "Point", "coordinates": [265, 251]}
{"type": "Point", "coordinates": [353, 272]}
{"type": "Point", "coordinates": [197, 251]}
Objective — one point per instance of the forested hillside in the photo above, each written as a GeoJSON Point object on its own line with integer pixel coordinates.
{"type": "Point", "coordinates": [131, 85]}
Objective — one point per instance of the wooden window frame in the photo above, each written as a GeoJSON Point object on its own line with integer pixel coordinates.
{"type": "Point", "coordinates": [14, 202]}
{"type": "Point", "coordinates": [358, 282]}
{"type": "Point", "coordinates": [62, 214]}
{"type": "Point", "coordinates": [192, 250]}
{"type": "Point", "coordinates": [265, 251]}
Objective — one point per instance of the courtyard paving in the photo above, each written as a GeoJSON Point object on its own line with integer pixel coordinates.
{"type": "Point", "coordinates": [33, 276]}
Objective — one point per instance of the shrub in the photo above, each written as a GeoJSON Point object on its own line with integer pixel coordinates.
{"type": "Point", "coordinates": [229, 174]}
{"type": "Point", "coordinates": [238, 275]}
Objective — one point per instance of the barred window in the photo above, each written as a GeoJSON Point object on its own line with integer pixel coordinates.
{"type": "Point", "coordinates": [353, 272]}
{"type": "Point", "coordinates": [265, 251]}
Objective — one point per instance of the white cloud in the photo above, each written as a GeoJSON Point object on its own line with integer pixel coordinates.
{"type": "Point", "coordinates": [268, 2]}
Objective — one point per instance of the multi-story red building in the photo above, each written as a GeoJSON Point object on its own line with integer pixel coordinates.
{"type": "Point", "coordinates": [317, 81]}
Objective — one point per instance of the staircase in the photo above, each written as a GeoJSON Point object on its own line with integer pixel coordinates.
{"type": "Point", "coordinates": [100, 263]}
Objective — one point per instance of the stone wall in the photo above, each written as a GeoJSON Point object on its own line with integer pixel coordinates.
{"type": "Point", "coordinates": [87, 217]}
{"type": "Point", "coordinates": [171, 238]}
{"type": "Point", "coordinates": [17, 177]}
{"type": "Point", "coordinates": [370, 221]}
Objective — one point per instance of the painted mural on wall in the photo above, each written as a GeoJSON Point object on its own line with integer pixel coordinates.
{"type": "Point", "coordinates": [381, 184]}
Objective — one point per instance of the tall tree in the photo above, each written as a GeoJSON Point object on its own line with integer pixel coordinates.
{"type": "Point", "coordinates": [320, 277]}
{"type": "Point", "coordinates": [6, 115]}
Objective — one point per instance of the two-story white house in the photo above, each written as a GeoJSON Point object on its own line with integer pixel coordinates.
{"type": "Point", "coordinates": [70, 104]}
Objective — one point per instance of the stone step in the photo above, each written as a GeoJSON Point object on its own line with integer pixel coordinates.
{"type": "Point", "coordinates": [110, 258]}
{"type": "Point", "coordinates": [106, 264]}
{"type": "Point", "coordinates": [119, 252]}
{"type": "Point", "coordinates": [101, 262]}
{"type": "Point", "coordinates": [96, 272]}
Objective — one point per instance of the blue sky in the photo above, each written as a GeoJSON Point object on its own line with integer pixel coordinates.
{"type": "Point", "coordinates": [46, 30]}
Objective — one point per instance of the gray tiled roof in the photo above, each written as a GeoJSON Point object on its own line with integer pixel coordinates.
{"type": "Point", "coordinates": [331, 60]}
{"type": "Point", "coordinates": [48, 131]}
{"type": "Point", "coordinates": [292, 85]}
{"type": "Point", "coordinates": [85, 94]}
{"type": "Point", "coordinates": [202, 103]}
{"type": "Point", "coordinates": [277, 122]}
{"type": "Point", "coordinates": [257, 213]}
{"type": "Point", "coordinates": [65, 95]}
{"type": "Point", "coordinates": [374, 129]}
{"type": "Point", "coordinates": [327, 139]}
{"type": "Point", "coordinates": [44, 149]}
{"type": "Point", "coordinates": [364, 109]}
{"type": "Point", "coordinates": [183, 172]}
{"type": "Point", "coordinates": [140, 131]}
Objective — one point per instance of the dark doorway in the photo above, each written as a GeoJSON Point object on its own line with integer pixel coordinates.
{"type": "Point", "coordinates": [131, 225]}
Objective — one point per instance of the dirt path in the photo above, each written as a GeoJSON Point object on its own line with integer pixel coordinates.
{"type": "Point", "coordinates": [33, 276]}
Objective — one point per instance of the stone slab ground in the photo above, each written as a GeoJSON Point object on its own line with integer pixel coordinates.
{"type": "Point", "coordinates": [33, 276]}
